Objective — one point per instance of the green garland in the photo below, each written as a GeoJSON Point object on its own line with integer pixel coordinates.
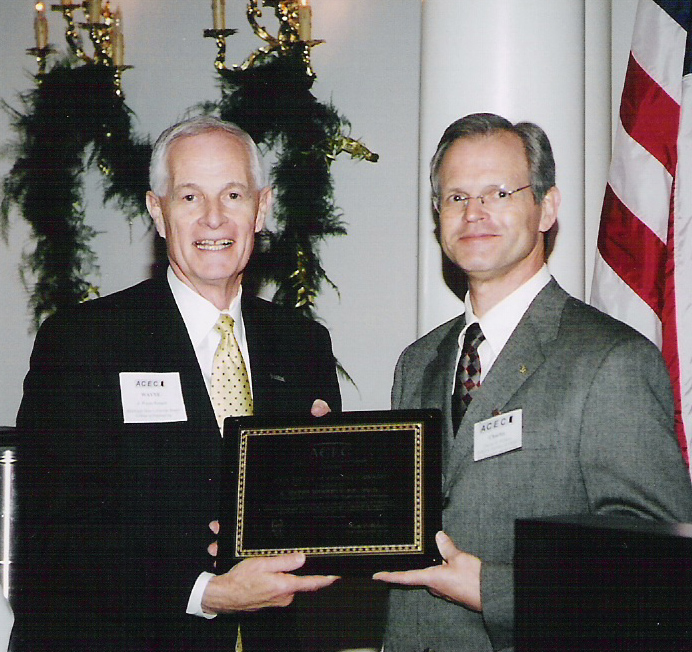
{"type": "Point", "coordinates": [70, 112]}
{"type": "Point", "coordinates": [77, 109]}
{"type": "Point", "coordinates": [271, 100]}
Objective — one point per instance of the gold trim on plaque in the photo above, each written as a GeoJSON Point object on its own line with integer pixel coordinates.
{"type": "Point", "coordinates": [415, 547]}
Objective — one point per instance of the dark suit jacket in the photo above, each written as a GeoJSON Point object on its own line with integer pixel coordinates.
{"type": "Point", "coordinates": [113, 518]}
{"type": "Point", "coordinates": [597, 439]}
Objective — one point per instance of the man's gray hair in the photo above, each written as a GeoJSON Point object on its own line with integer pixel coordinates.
{"type": "Point", "coordinates": [539, 153]}
{"type": "Point", "coordinates": [158, 166]}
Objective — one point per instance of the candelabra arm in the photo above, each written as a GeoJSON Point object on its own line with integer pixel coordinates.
{"type": "Point", "coordinates": [72, 35]}
{"type": "Point", "coordinates": [220, 36]}
{"type": "Point", "coordinates": [253, 13]}
{"type": "Point", "coordinates": [41, 55]}
{"type": "Point", "coordinates": [287, 38]}
{"type": "Point", "coordinates": [118, 79]}
{"type": "Point", "coordinates": [100, 37]}
{"type": "Point", "coordinates": [220, 62]}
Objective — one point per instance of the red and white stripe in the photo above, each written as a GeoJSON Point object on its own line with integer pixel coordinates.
{"type": "Point", "coordinates": [643, 271]}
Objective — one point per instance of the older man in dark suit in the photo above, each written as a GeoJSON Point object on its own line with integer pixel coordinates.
{"type": "Point", "coordinates": [552, 407]}
{"type": "Point", "coordinates": [120, 458]}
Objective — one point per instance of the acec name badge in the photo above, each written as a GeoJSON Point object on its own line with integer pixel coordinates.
{"type": "Point", "coordinates": [151, 397]}
{"type": "Point", "coordinates": [497, 435]}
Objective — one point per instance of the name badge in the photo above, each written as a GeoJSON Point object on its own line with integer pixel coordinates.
{"type": "Point", "coordinates": [151, 397]}
{"type": "Point", "coordinates": [497, 435]}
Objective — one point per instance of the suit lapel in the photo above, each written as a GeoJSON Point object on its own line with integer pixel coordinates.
{"type": "Point", "coordinates": [521, 357]}
{"type": "Point", "coordinates": [268, 346]}
{"type": "Point", "coordinates": [438, 384]}
{"type": "Point", "coordinates": [169, 348]}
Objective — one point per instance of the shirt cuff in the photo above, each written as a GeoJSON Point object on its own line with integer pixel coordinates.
{"type": "Point", "coordinates": [194, 604]}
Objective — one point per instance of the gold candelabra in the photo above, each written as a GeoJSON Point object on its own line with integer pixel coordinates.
{"type": "Point", "coordinates": [220, 36]}
{"type": "Point", "coordinates": [295, 26]}
{"type": "Point", "coordinates": [103, 26]}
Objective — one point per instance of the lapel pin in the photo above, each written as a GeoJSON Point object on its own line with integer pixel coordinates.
{"type": "Point", "coordinates": [496, 413]}
{"type": "Point", "coordinates": [523, 369]}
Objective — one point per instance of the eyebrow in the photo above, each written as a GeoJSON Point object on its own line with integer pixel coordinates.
{"type": "Point", "coordinates": [195, 186]}
{"type": "Point", "coordinates": [456, 190]}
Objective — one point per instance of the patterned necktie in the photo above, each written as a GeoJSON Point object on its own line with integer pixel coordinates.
{"type": "Point", "coordinates": [468, 375]}
{"type": "Point", "coordinates": [230, 387]}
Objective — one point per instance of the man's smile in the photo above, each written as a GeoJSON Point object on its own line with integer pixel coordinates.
{"type": "Point", "coordinates": [473, 236]}
{"type": "Point", "coordinates": [213, 245]}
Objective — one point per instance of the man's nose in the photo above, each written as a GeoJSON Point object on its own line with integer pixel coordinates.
{"type": "Point", "coordinates": [214, 215]}
{"type": "Point", "coordinates": [475, 209]}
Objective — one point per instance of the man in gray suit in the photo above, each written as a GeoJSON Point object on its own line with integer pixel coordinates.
{"type": "Point", "coordinates": [570, 411]}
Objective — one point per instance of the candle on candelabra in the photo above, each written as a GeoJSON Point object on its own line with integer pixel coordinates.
{"type": "Point", "coordinates": [304, 20]}
{"type": "Point", "coordinates": [94, 8]}
{"type": "Point", "coordinates": [118, 39]}
{"type": "Point", "coordinates": [41, 26]}
{"type": "Point", "coordinates": [218, 8]}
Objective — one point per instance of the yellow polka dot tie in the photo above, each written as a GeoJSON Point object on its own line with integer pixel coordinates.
{"type": "Point", "coordinates": [230, 386]}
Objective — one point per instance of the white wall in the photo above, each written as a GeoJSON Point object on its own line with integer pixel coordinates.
{"type": "Point", "coordinates": [369, 69]}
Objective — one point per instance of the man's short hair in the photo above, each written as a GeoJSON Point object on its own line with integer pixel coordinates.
{"type": "Point", "coordinates": [158, 166]}
{"type": "Point", "coordinates": [539, 153]}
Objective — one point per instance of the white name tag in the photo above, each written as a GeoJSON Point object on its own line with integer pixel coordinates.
{"type": "Point", "coordinates": [497, 435]}
{"type": "Point", "coordinates": [151, 397]}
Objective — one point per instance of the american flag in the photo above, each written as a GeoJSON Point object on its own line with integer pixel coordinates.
{"type": "Point", "coordinates": [643, 271]}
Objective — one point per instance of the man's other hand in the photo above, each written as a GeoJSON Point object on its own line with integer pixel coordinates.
{"type": "Point", "coordinates": [261, 582]}
{"type": "Point", "coordinates": [457, 578]}
{"type": "Point", "coordinates": [320, 408]}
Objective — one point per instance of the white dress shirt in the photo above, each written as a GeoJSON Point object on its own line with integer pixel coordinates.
{"type": "Point", "coordinates": [499, 322]}
{"type": "Point", "coordinates": [200, 317]}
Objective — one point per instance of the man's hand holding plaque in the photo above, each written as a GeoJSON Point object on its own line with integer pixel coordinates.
{"type": "Point", "coordinates": [261, 582]}
{"type": "Point", "coordinates": [456, 579]}
{"type": "Point", "coordinates": [257, 583]}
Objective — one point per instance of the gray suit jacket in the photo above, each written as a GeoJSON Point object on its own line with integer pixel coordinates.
{"type": "Point", "coordinates": [597, 439]}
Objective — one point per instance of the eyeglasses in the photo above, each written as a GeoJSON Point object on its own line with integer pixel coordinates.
{"type": "Point", "coordinates": [493, 198]}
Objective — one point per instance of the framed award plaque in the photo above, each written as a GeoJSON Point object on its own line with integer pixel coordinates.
{"type": "Point", "coordinates": [357, 492]}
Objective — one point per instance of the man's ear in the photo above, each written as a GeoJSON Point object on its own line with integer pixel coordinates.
{"type": "Point", "coordinates": [549, 209]}
{"type": "Point", "coordinates": [154, 208]}
{"type": "Point", "coordinates": [264, 207]}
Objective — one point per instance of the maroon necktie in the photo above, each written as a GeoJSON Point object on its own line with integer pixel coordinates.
{"type": "Point", "coordinates": [468, 375]}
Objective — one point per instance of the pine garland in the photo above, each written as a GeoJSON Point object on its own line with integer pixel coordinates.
{"type": "Point", "coordinates": [76, 109]}
{"type": "Point", "coordinates": [272, 101]}
{"type": "Point", "coordinates": [74, 118]}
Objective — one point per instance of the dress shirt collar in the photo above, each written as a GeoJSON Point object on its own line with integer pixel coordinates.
{"type": "Point", "coordinates": [200, 316]}
{"type": "Point", "coordinates": [499, 322]}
